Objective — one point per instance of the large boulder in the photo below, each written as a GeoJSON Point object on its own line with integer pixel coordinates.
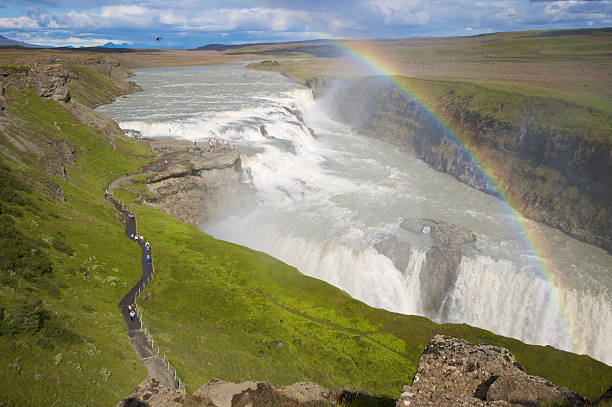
{"type": "Point", "coordinates": [453, 372]}
{"type": "Point", "coordinates": [525, 390]}
{"type": "Point", "coordinates": [259, 394]}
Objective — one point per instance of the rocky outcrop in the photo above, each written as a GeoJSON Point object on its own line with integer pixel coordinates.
{"type": "Point", "coordinates": [442, 261]}
{"type": "Point", "coordinates": [188, 181]}
{"type": "Point", "coordinates": [52, 78]}
{"type": "Point", "coordinates": [295, 112]}
{"type": "Point", "coordinates": [453, 372]}
{"type": "Point", "coordinates": [319, 85]}
{"type": "Point", "coordinates": [605, 399]}
{"type": "Point", "coordinates": [112, 69]}
{"type": "Point", "coordinates": [219, 393]}
{"type": "Point", "coordinates": [554, 176]}
{"type": "Point", "coordinates": [50, 81]}
{"type": "Point", "coordinates": [396, 250]}
{"type": "Point", "coordinates": [155, 394]}
{"type": "Point", "coordinates": [58, 155]}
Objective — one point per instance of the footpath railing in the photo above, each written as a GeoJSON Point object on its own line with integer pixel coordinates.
{"type": "Point", "coordinates": [149, 339]}
{"type": "Point", "coordinates": [137, 327]}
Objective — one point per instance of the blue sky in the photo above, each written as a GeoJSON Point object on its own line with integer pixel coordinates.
{"type": "Point", "coordinates": [192, 23]}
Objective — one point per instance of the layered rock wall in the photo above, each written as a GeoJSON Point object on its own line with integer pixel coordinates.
{"type": "Point", "coordinates": [189, 182]}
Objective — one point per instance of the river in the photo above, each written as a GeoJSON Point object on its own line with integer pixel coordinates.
{"type": "Point", "coordinates": [325, 201]}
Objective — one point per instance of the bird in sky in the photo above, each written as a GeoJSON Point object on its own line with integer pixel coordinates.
{"type": "Point", "coordinates": [158, 38]}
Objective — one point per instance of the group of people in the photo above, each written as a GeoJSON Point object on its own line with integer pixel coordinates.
{"type": "Point", "coordinates": [141, 241]}
{"type": "Point", "coordinates": [223, 145]}
{"type": "Point", "coordinates": [136, 238]}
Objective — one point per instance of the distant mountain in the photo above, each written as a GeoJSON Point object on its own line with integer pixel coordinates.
{"type": "Point", "coordinates": [113, 45]}
{"type": "Point", "coordinates": [12, 43]}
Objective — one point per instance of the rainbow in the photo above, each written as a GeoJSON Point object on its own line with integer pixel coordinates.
{"type": "Point", "coordinates": [532, 240]}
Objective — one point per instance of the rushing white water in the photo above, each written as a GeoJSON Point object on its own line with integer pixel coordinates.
{"type": "Point", "coordinates": [325, 202]}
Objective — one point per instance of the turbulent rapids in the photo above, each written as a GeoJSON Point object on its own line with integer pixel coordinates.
{"type": "Point", "coordinates": [332, 202]}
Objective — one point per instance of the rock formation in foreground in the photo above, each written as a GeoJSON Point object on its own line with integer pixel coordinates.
{"type": "Point", "coordinates": [453, 372]}
{"type": "Point", "coordinates": [219, 393]}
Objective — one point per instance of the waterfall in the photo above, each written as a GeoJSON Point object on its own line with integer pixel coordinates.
{"type": "Point", "coordinates": [331, 204]}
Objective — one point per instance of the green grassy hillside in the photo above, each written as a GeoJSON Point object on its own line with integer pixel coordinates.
{"type": "Point", "coordinates": [63, 265]}
{"type": "Point", "coordinates": [230, 304]}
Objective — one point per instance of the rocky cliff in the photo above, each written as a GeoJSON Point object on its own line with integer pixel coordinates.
{"type": "Point", "coordinates": [555, 174]}
{"type": "Point", "coordinates": [188, 181]}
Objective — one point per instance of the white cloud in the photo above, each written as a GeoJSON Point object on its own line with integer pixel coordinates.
{"type": "Point", "coordinates": [231, 19]}
{"type": "Point", "coordinates": [122, 11]}
{"type": "Point", "coordinates": [23, 23]}
{"type": "Point", "coordinates": [399, 12]}
{"type": "Point", "coordinates": [46, 38]}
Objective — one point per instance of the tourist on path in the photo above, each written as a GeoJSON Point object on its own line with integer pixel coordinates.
{"type": "Point", "coordinates": [132, 313]}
